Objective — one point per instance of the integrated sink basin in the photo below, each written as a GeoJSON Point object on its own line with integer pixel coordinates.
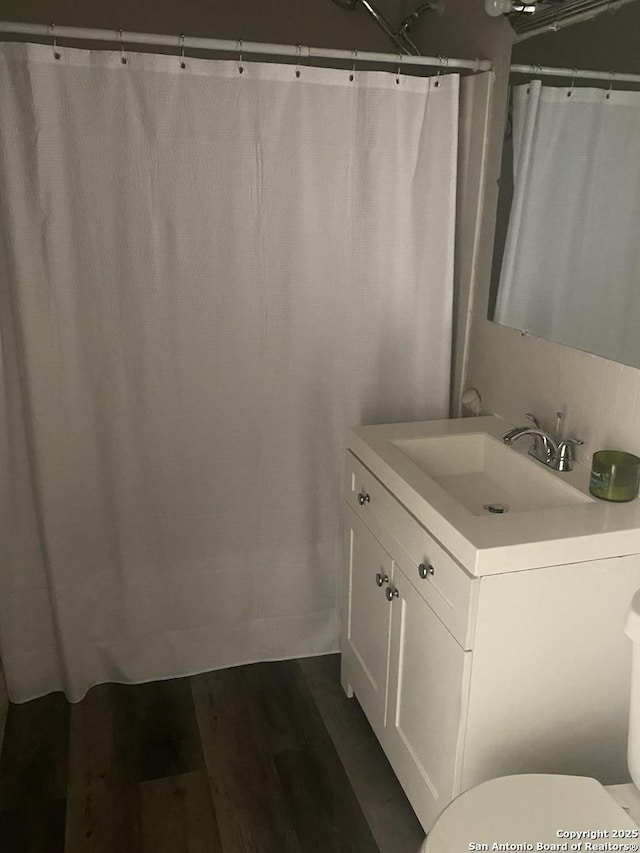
{"type": "Point", "coordinates": [485, 476]}
{"type": "Point", "coordinates": [444, 472]}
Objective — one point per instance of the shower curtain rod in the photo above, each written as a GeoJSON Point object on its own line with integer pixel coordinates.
{"type": "Point", "coordinates": [576, 74]}
{"type": "Point", "coordinates": [298, 52]}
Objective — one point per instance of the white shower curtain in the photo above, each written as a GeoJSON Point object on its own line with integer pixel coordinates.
{"type": "Point", "coordinates": [571, 264]}
{"type": "Point", "coordinates": [208, 277]}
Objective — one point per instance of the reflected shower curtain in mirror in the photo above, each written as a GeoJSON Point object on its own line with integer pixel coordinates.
{"type": "Point", "coordinates": [208, 276]}
{"type": "Point", "coordinates": [571, 264]}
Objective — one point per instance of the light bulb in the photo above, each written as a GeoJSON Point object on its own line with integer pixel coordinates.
{"type": "Point", "coordinates": [495, 8]}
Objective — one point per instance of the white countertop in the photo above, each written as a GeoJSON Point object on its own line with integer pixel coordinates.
{"type": "Point", "coordinates": [492, 544]}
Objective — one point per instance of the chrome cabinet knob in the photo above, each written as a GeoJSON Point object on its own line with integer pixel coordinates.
{"type": "Point", "coordinates": [391, 592]}
{"type": "Point", "coordinates": [363, 498]}
{"type": "Point", "coordinates": [381, 579]}
{"type": "Point", "coordinates": [425, 569]}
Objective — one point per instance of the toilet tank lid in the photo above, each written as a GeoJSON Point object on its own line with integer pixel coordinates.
{"type": "Point", "coordinates": [632, 626]}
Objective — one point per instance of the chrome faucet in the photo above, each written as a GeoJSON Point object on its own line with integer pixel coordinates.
{"type": "Point", "coordinates": [556, 453]}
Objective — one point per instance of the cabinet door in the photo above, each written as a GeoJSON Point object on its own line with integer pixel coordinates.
{"type": "Point", "coordinates": [367, 619]}
{"type": "Point", "coordinates": [428, 689]}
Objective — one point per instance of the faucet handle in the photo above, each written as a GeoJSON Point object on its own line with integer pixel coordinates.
{"type": "Point", "coordinates": [535, 445]}
{"type": "Point", "coordinates": [570, 442]}
{"type": "Point", "coordinates": [566, 454]}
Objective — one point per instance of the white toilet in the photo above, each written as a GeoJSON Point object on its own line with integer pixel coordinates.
{"type": "Point", "coordinates": [541, 812]}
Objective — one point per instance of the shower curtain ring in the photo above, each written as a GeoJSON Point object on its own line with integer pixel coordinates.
{"type": "Point", "coordinates": [123, 58]}
{"type": "Point", "coordinates": [612, 77]}
{"type": "Point", "coordinates": [183, 64]}
{"type": "Point", "coordinates": [298, 59]}
{"type": "Point", "coordinates": [352, 75]}
{"type": "Point", "coordinates": [442, 60]}
{"type": "Point", "coordinates": [240, 65]}
{"type": "Point", "coordinates": [399, 71]}
{"type": "Point", "coordinates": [573, 80]}
{"type": "Point", "coordinates": [54, 45]}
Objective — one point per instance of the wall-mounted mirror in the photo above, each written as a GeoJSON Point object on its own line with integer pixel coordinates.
{"type": "Point", "coordinates": [567, 251]}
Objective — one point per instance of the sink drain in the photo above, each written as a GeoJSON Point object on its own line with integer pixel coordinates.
{"type": "Point", "coordinates": [496, 509]}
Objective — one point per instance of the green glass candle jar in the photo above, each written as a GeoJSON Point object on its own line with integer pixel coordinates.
{"type": "Point", "coordinates": [614, 475]}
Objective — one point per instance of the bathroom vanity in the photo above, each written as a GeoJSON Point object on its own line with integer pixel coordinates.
{"type": "Point", "coordinates": [483, 643]}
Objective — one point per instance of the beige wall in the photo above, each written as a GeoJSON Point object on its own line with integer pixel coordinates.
{"type": "Point", "coordinates": [464, 29]}
{"type": "Point", "coordinates": [516, 373]}
{"type": "Point", "coordinates": [317, 22]}
{"type": "Point", "coordinates": [607, 42]}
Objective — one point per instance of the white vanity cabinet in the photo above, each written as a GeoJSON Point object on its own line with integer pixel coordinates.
{"type": "Point", "coordinates": [464, 678]}
{"type": "Point", "coordinates": [368, 619]}
{"type": "Point", "coordinates": [426, 702]}
{"type": "Point", "coordinates": [408, 672]}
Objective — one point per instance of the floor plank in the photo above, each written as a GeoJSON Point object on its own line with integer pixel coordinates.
{"type": "Point", "coordinates": [322, 805]}
{"type": "Point", "coordinates": [167, 739]}
{"type": "Point", "coordinates": [103, 812]}
{"type": "Point", "coordinates": [266, 745]}
{"type": "Point", "coordinates": [386, 808]}
{"type": "Point", "coordinates": [177, 815]}
{"type": "Point", "coordinates": [323, 817]}
{"type": "Point", "coordinates": [35, 829]}
{"type": "Point", "coordinates": [247, 794]}
{"type": "Point", "coordinates": [33, 776]}
{"type": "Point", "coordinates": [33, 765]}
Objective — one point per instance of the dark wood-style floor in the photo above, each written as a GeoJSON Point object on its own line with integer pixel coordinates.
{"type": "Point", "coordinates": [271, 758]}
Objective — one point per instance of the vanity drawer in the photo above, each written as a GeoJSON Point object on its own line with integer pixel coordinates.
{"type": "Point", "coordinates": [442, 583]}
